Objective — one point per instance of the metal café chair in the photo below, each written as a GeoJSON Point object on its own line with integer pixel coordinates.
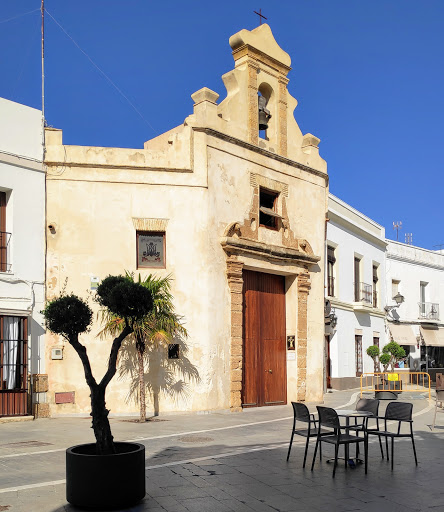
{"type": "Point", "coordinates": [301, 414]}
{"type": "Point", "coordinates": [371, 405]}
{"type": "Point", "coordinates": [400, 412]}
{"type": "Point", "coordinates": [329, 418]}
{"type": "Point", "coordinates": [439, 399]}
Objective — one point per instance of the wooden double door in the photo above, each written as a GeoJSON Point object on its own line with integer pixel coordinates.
{"type": "Point", "coordinates": [264, 352]}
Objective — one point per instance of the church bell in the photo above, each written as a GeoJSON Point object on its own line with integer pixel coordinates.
{"type": "Point", "coordinates": [264, 113]}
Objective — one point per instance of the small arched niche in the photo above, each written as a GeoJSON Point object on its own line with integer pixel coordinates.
{"type": "Point", "coordinates": [266, 91]}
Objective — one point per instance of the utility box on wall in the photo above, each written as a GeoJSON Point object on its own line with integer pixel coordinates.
{"type": "Point", "coordinates": [40, 383]}
{"type": "Point", "coordinates": [57, 353]}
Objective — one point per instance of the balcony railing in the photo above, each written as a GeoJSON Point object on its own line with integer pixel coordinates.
{"type": "Point", "coordinates": [5, 259]}
{"type": "Point", "coordinates": [363, 293]}
{"type": "Point", "coordinates": [331, 286]}
{"type": "Point", "coordinates": [428, 310]}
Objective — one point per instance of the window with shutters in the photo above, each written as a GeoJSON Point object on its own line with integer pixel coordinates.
{"type": "Point", "coordinates": [268, 215]}
{"type": "Point", "coordinates": [358, 351]}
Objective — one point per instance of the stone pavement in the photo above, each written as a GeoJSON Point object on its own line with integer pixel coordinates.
{"type": "Point", "coordinates": [229, 462]}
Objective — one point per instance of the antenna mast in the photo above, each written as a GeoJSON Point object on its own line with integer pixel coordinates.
{"type": "Point", "coordinates": [397, 226]}
{"type": "Point", "coordinates": [43, 77]}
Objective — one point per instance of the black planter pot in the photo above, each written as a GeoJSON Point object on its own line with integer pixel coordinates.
{"type": "Point", "coordinates": [388, 389]}
{"type": "Point", "coordinates": [105, 481]}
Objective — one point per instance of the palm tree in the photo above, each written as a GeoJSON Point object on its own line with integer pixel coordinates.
{"type": "Point", "coordinates": [158, 328]}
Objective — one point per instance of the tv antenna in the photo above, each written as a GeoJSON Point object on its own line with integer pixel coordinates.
{"type": "Point", "coordinates": [409, 238]}
{"type": "Point", "coordinates": [397, 226]}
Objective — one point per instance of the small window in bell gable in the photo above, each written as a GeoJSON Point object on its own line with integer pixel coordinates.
{"type": "Point", "coordinates": [268, 216]}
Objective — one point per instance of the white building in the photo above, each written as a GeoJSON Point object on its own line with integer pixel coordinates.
{"type": "Point", "coordinates": [355, 275]}
{"type": "Point", "coordinates": [22, 254]}
{"type": "Point", "coordinates": [418, 323]}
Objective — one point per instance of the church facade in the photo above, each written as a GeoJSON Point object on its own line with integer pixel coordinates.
{"type": "Point", "coordinates": [232, 204]}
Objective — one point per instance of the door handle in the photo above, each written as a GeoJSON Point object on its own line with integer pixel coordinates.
{"type": "Point", "coordinates": [269, 371]}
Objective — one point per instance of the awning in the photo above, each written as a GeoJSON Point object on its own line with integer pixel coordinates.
{"type": "Point", "coordinates": [433, 337]}
{"type": "Point", "coordinates": [402, 334]}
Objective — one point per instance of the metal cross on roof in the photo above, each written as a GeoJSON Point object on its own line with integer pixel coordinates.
{"type": "Point", "coordinates": [260, 16]}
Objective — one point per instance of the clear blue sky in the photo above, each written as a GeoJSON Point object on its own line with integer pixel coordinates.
{"type": "Point", "coordinates": [368, 76]}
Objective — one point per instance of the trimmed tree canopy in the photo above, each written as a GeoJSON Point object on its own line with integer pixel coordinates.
{"type": "Point", "coordinates": [124, 298]}
{"type": "Point", "coordinates": [67, 315]}
{"type": "Point", "coordinates": [373, 351]}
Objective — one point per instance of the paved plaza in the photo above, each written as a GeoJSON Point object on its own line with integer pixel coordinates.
{"type": "Point", "coordinates": [230, 462]}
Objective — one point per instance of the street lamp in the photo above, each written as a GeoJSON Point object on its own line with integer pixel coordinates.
{"type": "Point", "coordinates": [399, 299]}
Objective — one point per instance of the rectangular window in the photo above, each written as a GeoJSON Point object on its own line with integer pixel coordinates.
{"type": "Point", "coordinates": [151, 251]}
{"type": "Point", "coordinates": [331, 260]}
{"type": "Point", "coordinates": [375, 286]}
{"type": "Point", "coordinates": [376, 341]}
{"type": "Point", "coordinates": [13, 353]}
{"type": "Point", "coordinates": [357, 276]}
{"type": "Point", "coordinates": [173, 351]}
{"type": "Point", "coordinates": [4, 238]}
{"type": "Point", "coordinates": [268, 216]}
{"type": "Point", "coordinates": [422, 299]}
{"type": "Point", "coordinates": [395, 287]}
{"type": "Point", "coordinates": [358, 352]}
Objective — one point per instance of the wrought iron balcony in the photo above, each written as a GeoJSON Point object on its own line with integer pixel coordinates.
{"type": "Point", "coordinates": [428, 310]}
{"type": "Point", "coordinates": [363, 293]}
{"type": "Point", "coordinates": [5, 258]}
{"type": "Point", "coordinates": [331, 286]}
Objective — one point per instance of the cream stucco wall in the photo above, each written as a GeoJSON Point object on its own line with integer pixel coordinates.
{"type": "Point", "coordinates": [200, 178]}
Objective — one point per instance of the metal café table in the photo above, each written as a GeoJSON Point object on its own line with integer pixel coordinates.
{"type": "Point", "coordinates": [347, 414]}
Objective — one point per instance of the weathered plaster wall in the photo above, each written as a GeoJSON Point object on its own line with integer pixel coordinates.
{"type": "Point", "coordinates": [198, 177]}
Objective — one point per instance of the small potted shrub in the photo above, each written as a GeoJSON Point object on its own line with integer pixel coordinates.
{"type": "Point", "coordinates": [104, 474]}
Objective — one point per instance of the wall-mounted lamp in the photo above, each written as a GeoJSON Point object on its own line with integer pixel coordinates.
{"type": "Point", "coordinates": [399, 299]}
{"type": "Point", "coordinates": [333, 320]}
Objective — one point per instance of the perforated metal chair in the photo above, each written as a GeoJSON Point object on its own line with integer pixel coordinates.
{"type": "Point", "coordinates": [439, 399]}
{"type": "Point", "coordinates": [302, 414]}
{"type": "Point", "coordinates": [402, 413]}
{"type": "Point", "coordinates": [329, 418]}
{"type": "Point", "coordinates": [370, 405]}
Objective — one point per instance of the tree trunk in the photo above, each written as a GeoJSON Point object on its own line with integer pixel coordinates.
{"type": "Point", "coordinates": [100, 422]}
{"type": "Point", "coordinates": [140, 348]}
{"type": "Point", "coordinates": [99, 412]}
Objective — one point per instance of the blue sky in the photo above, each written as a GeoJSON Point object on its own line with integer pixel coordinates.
{"type": "Point", "coordinates": [368, 76]}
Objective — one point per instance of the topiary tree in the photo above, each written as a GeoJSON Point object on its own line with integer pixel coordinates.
{"type": "Point", "coordinates": [373, 352]}
{"type": "Point", "coordinates": [391, 354]}
{"type": "Point", "coordinates": [394, 352]}
{"type": "Point", "coordinates": [69, 316]}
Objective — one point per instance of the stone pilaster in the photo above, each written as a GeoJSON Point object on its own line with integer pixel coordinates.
{"type": "Point", "coordinates": [253, 123]}
{"type": "Point", "coordinates": [303, 291]}
{"type": "Point", "coordinates": [282, 114]}
{"type": "Point", "coordinates": [235, 283]}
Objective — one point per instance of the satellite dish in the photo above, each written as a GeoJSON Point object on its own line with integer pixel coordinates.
{"type": "Point", "coordinates": [327, 307]}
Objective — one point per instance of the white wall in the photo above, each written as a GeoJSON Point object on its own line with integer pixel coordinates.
{"type": "Point", "coordinates": [410, 266]}
{"type": "Point", "coordinates": [23, 179]}
{"type": "Point", "coordinates": [352, 233]}
{"type": "Point", "coordinates": [20, 130]}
